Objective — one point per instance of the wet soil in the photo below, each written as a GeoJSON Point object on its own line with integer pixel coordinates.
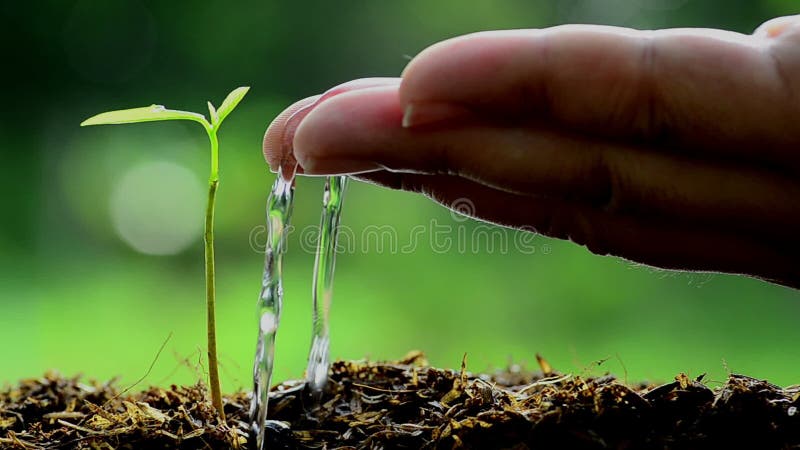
{"type": "Point", "coordinates": [407, 404]}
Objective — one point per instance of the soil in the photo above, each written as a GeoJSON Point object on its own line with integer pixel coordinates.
{"type": "Point", "coordinates": [408, 405]}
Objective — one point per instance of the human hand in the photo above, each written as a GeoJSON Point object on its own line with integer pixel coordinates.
{"type": "Point", "coordinates": [677, 148]}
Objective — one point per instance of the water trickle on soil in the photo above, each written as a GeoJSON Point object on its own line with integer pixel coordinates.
{"type": "Point", "coordinates": [318, 357]}
{"type": "Point", "coordinates": [279, 211]}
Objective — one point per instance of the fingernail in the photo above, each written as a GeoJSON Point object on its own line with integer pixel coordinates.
{"type": "Point", "coordinates": [777, 29]}
{"type": "Point", "coordinates": [417, 114]}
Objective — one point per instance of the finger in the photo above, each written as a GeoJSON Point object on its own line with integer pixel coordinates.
{"type": "Point", "coordinates": [783, 45]}
{"type": "Point", "coordinates": [273, 145]}
{"type": "Point", "coordinates": [277, 145]}
{"type": "Point", "coordinates": [678, 246]}
{"type": "Point", "coordinates": [700, 89]}
{"type": "Point", "coordinates": [776, 27]}
{"type": "Point", "coordinates": [359, 132]}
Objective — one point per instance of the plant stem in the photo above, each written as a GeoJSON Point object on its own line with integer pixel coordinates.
{"type": "Point", "coordinates": [213, 369]}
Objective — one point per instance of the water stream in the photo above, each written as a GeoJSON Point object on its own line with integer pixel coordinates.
{"type": "Point", "coordinates": [318, 356]}
{"type": "Point", "coordinates": [270, 301]}
{"type": "Point", "coordinates": [279, 211]}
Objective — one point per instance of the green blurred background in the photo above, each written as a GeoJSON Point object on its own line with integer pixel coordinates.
{"type": "Point", "coordinates": [100, 239]}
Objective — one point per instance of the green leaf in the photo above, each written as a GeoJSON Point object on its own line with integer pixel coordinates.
{"type": "Point", "coordinates": [212, 112]}
{"type": "Point", "coordinates": [230, 102]}
{"type": "Point", "coordinates": [146, 114]}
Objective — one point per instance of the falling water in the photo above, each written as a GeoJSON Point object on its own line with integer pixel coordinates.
{"type": "Point", "coordinates": [318, 357]}
{"type": "Point", "coordinates": [279, 212]}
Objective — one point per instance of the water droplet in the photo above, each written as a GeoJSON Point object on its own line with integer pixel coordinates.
{"type": "Point", "coordinates": [269, 323]}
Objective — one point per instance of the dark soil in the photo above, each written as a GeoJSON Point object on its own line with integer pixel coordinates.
{"type": "Point", "coordinates": [409, 405]}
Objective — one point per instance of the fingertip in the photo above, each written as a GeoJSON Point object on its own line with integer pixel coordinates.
{"type": "Point", "coordinates": [511, 72]}
{"type": "Point", "coordinates": [278, 143]}
{"type": "Point", "coordinates": [275, 152]}
{"type": "Point", "coordinates": [448, 70]}
{"type": "Point", "coordinates": [777, 27]}
{"type": "Point", "coordinates": [346, 133]}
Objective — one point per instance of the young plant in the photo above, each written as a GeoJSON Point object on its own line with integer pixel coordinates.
{"type": "Point", "coordinates": [158, 112]}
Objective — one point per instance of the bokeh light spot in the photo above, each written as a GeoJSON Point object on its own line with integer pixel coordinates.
{"type": "Point", "coordinates": [157, 208]}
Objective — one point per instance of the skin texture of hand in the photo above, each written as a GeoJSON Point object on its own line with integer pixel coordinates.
{"type": "Point", "coordinates": [675, 148]}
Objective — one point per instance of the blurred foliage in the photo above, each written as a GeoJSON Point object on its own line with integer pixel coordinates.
{"type": "Point", "coordinates": [75, 296]}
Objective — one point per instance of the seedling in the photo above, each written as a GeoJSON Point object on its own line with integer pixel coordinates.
{"type": "Point", "coordinates": [158, 112]}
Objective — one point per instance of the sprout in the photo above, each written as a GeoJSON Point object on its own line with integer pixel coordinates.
{"type": "Point", "coordinates": [217, 115]}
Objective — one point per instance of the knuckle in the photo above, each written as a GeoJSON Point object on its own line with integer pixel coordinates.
{"type": "Point", "coordinates": [607, 184]}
